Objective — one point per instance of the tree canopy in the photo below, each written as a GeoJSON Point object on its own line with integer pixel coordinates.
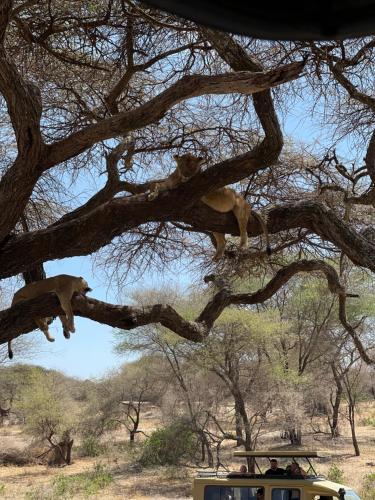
{"type": "Point", "coordinates": [111, 90]}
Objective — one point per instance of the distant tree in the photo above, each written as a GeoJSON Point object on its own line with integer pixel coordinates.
{"type": "Point", "coordinates": [120, 398]}
{"type": "Point", "coordinates": [353, 394]}
{"type": "Point", "coordinates": [233, 357]}
{"type": "Point", "coordinates": [50, 415]}
{"type": "Point", "coordinates": [14, 382]}
{"type": "Point", "coordinates": [137, 384]}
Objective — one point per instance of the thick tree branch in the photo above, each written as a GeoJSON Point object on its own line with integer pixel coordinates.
{"type": "Point", "coordinates": [25, 109]}
{"type": "Point", "coordinates": [239, 60]}
{"type": "Point", "coordinates": [96, 229]}
{"type": "Point", "coordinates": [152, 111]}
{"type": "Point", "coordinates": [112, 187]}
{"type": "Point", "coordinates": [370, 157]}
{"type": "Point", "coordinates": [18, 319]}
{"type": "Point", "coordinates": [352, 90]}
{"type": "Point", "coordinates": [5, 9]}
{"type": "Point", "coordinates": [131, 69]}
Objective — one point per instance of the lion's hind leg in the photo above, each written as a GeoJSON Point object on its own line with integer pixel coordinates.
{"type": "Point", "coordinates": [42, 324]}
{"type": "Point", "coordinates": [65, 326]}
{"type": "Point", "coordinates": [65, 302]}
{"type": "Point", "coordinates": [220, 245]}
{"type": "Point", "coordinates": [242, 214]}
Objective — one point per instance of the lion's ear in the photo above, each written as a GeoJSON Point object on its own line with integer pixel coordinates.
{"type": "Point", "coordinates": [176, 157]}
{"type": "Point", "coordinates": [200, 159]}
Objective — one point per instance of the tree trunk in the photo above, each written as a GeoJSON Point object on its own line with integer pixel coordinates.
{"type": "Point", "coordinates": [203, 452]}
{"type": "Point", "coordinates": [334, 422]}
{"type": "Point", "coordinates": [239, 427]}
{"type": "Point", "coordinates": [351, 409]}
{"type": "Point", "coordinates": [210, 457]}
{"type": "Point", "coordinates": [295, 436]}
{"type": "Point", "coordinates": [69, 452]}
{"type": "Point", "coordinates": [250, 464]}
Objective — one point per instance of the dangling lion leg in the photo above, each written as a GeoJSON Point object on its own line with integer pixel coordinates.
{"type": "Point", "coordinates": [242, 214]}
{"type": "Point", "coordinates": [264, 229]}
{"type": "Point", "coordinates": [65, 326]}
{"type": "Point", "coordinates": [66, 306]}
{"type": "Point", "coordinates": [42, 324]}
{"type": "Point", "coordinates": [220, 245]}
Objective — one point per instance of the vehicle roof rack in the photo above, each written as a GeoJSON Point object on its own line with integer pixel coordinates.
{"type": "Point", "coordinates": [276, 453]}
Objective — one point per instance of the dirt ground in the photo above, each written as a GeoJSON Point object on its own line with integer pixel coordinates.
{"type": "Point", "coordinates": [35, 482]}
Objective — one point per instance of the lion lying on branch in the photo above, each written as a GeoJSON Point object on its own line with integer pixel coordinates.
{"type": "Point", "coordinates": [222, 200]}
{"type": "Point", "coordinates": [64, 286]}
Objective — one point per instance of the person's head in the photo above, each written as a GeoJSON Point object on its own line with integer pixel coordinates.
{"type": "Point", "coordinates": [274, 463]}
{"type": "Point", "coordinates": [243, 469]}
{"type": "Point", "coordinates": [294, 468]}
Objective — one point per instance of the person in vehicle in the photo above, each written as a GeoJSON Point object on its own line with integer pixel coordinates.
{"type": "Point", "coordinates": [296, 470]}
{"type": "Point", "coordinates": [274, 470]}
{"type": "Point", "coordinates": [243, 469]}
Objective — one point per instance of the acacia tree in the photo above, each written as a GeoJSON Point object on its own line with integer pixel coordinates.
{"type": "Point", "coordinates": [119, 399]}
{"type": "Point", "coordinates": [353, 394]}
{"type": "Point", "coordinates": [50, 414]}
{"type": "Point", "coordinates": [120, 87]}
{"type": "Point", "coordinates": [221, 386]}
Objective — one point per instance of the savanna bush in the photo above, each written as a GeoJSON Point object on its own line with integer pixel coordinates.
{"type": "Point", "coordinates": [369, 421]}
{"type": "Point", "coordinates": [169, 445]}
{"type": "Point", "coordinates": [368, 488]}
{"type": "Point", "coordinates": [86, 483]}
{"type": "Point", "coordinates": [335, 474]}
{"type": "Point", "coordinates": [91, 447]}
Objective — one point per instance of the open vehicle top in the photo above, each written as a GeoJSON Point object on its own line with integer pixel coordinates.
{"type": "Point", "coordinates": [259, 486]}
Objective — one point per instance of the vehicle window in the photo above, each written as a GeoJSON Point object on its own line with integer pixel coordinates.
{"type": "Point", "coordinates": [233, 493]}
{"type": "Point", "coordinates": [285, 494]}
{"type": "Point", "coordinates": [351, 495]}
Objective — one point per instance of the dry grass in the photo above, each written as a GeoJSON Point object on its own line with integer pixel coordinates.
{"type": "Point", "coordinates": [35, 481]}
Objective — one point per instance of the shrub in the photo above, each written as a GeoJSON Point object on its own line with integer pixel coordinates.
{"type": "Point", "coordinates": [368, 489]}
{"type": "Point", "coordinates": [167, 446]}
{"type": "Point", "coordinates": [91, 447]}
{"type": "Point", "coordinates": [335, 474]}
{"type": "Point", "coordinates": [87, 483]}
{"type": "Point", "coordinates": [40, 493]}
{"type": "Point", "coordinates": [369, 421]}
{"type": "Point", "coordinates": [2, 489]}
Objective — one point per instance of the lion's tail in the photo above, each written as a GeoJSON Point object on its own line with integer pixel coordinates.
{"type": "Point", "coordinates": [264, 229]}
{"type": "Point", "coordinates": [10, 352]}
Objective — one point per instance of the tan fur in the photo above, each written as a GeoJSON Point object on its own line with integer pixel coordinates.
{"type": "Point", "coordinates": [64, 286]}
{"type": "Point", "coordinates": [222, 200]}
{"type": "Point", "coordinates": [187, 166]}
{"type": "Point", "coordinates": [225, 200]}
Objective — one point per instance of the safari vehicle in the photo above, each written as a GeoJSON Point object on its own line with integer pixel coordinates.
{"type": "Point", "coordinates": [258, 486]}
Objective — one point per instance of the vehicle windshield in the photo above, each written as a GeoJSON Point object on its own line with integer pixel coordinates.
{"type": "Point", "coordinates": [351, 495]}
